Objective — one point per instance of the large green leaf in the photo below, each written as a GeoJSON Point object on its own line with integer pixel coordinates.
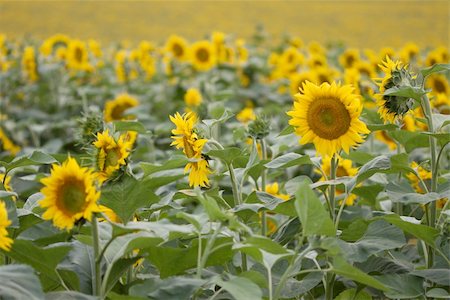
{"type": "Point", "coordinates": [174, 162]}
{"type": "Point", "coordinates": [434, 69]}
{"type": "Point", "coordinates": [240, 288]}
{"type": "Point", "coordinates": [313, 216]}
{"type": "Point", "coordinates": [33, 159]}
{"type": "Point", "coordinates": [402, 286]}
{"type": "Point", "coordinates": [289, 160]}
{"type": "Point", "coordinates": [173, 288]}
{"type": "Point", "coordinates": [19, 282]}
{"type": "Point", "coordinates": [127, 195]}
{"type": "Point", "coordinates": [294, 288]}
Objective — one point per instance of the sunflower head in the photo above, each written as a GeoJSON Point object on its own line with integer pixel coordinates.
{"type": "Point", "coordinates": [193, 97]}
{"type": "Point", "coordinates": [111, 153]}
{"type": "Point", "coordinates": [328, 116]}
{"type": "Point", "coordinates": [5, 241]}
{"type": "Point", "coordinates": [203, 56]}
{"type": "Point", "coordinates": [115, 109]}
{"type": "Point", "coordinates": [69, 194]}
{"type": "Point", "coordinates": [177, 46]}
{"type": "Point", "coordinates": [393, 107]}
{"type": "Point", "coordinates": [423, 173]}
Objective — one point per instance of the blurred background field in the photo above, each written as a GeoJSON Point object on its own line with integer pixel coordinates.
{"type": "Point", "coordinates": [355, 23]}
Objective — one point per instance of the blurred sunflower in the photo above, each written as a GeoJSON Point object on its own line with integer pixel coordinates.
{"type": "Point", "coordinates": [111, 154]}
{"type": "Point", "coordinates": [186, 138]}
{"type": "Point", "coordinates": [115, 109]}
{"type": "Point", "coordinates": [192, 97]}
{"type": "Point", "coordinates": [53, 43]}
{"type": "Point", "coordinates": [202, 55]}
{"type": "Point", "coordinates": [29, 64]}
{"type": "Point", "coordinates": [409, 53]}
{"type": "Point", "coordinates": [439, 84]}
{"type": "Point", "coordinates": [274, 190]}
{"type": "Point", "coordinates": [5, 241]}
{"type": "Point", "coordinates": [7, 144]}
{"type": "Point", "coordinates": [344, 168]}
{"type": "Point", "coordinates": [246, 115]}
{"type": "Point", "coordinates": [328, 116]}
{"type": "Point", "coordinates": [349, 58]}
{"type": "Point", "coordinates": [423, 173]}
{"type": "Point", "coordinates": [296, 80]}
{"type": "Point", "coordinates": [69, 194]}
{"type": "Point", "coordinates": [441, 102]}
{"type": "Point", "coordinates": [77, 57]}
{"type": "Point", "coordinates": [178, 47]}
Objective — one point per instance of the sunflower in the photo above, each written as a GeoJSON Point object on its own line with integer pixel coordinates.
{"type": "Point", "coordinates": [392, 107]}
{"type": "Point", "coordinates": [69, 194]}
{"type": "Point", "coordinates": [202, 55]}
{"type": "Point", "coordinates": [349, 58]}
{"type": "Point", "coordinates": [177, 46]}
{"type": "Point", "coordinates": [328, 116]}
{"type": "Point", "coordinates": [29, 65]}
{"type": "Point", "coordinates": [7, 144]}
{"type": "Point", "coordinates": [410, 52]}
{"type": "Point", "coordinates": [441, 102]}
{"type": "Point", "coordinates": [5, 241]}
{"type": "Point", "coordinates": [274, 190]}
{"type": "Point", "coordinates": [296, 80]}
{"type": "Point", "coordinates": [246, 115]}
{"type": "Point", "coordinates": [193, 97]}
{"type": "Point", "coordinates": [186, 138]}
{"type": "Point", "coordinates": [53, 43]}
{"type": "Point", "coordinates": [6, 181]}
{"type": "Point", "coordinates": [438, 84]}
{"type": "Point", "coordinates": [344, 168]}
{"type": "Point", "coordinates": [382, 136]}
{"type": "Point", "coordinates": [423, 173]}
{"type": "Point", "coordinates": [111, 154]}
{"type": "Point", "coordinates": [290, 59]}
{"type": "Point", "coordinates": [115, 109]}
{"type": "Point", "coordinates": [77, 56]}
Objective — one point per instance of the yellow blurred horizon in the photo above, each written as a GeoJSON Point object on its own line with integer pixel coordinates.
{"type": "Point", "coordinates": [363, 24]}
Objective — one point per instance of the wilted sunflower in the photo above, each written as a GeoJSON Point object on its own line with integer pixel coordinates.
{"type": "Point", "coordinates": [69, 194]}
{"type": "Point", "coordinates": [328, 116]}
{"type": "Point", "coordinates": [186, 138]}
{"type": "Point", "coordinates": [5, 241]}
{"type": "Point", "coordinates": [111, 153]}
{"type": "Point", "coordinates": [114, 109]}
{"type": "Point", "coordinates": [390, 107]}
{"type": "Point", "coordinates": [177, 46]}
{"type": "Point", "coordinates": [202, 55]}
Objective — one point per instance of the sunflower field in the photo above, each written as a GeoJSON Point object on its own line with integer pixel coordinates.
{"type": "Point", "coordinates": [223, 168]}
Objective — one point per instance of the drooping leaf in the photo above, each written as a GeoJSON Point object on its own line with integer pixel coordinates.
{"type": "Point", "coordinates": [20, 282]}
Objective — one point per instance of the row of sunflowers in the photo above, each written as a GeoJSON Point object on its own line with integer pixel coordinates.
{"type": "Point", "coordinates": [223, 168]}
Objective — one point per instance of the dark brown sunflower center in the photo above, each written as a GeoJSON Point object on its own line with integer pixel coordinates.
{"type": "Point", "coordinates": [177, 50]}
{"type": "Point", "coordinates": [328, 118]}
{"type": "Point", "coordinates": [350, 59]}
{"type": "Point", "coordinates": [72, 196]}
{"type": "Point", "coordinates": [341, 171]}
{"type": "Point", "coordinates": [439, 86]}
{"type": "Point", "coordinates": [203, 55]}
{"type": "Point", "coordinates": [78, 54]}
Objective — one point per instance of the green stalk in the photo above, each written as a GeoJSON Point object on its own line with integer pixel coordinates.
{"type": "Point", "coordinates": [208, 247]}
{"type": "Point", "coordinates": [97, 284]}
{"type": "Point", "coordinates": [236, 194]}
{"type": "Point", "coordinates": [263, 188]}
{"type": "Point", "coordinates": [199, 256]}
{"type": "Point", "coordinates": [332, 195]}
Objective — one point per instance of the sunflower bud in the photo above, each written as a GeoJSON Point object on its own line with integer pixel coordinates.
{"type": "Point", "coordinates": [88, 126]}
{"type": "Point", "coordinates": [259, 128]}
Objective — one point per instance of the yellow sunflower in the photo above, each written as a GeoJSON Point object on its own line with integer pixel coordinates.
{"type": "Point", "coordinates": [7, 144]}
{"type": "Point", "coordinates": [246, 115]}
{"type": "Point", "coordinates": [178, 47]}
{"type": "Point", "coordinates": [115, 109]}
{"type": "Point", "coordinates": [296, 80]}
{"type": "Point", "coordinates": [328, 116]}
{"type": "Point", "coordinates": [344, 168]}
{"type": "Point", "coordinates": [390, 108]}
{"type": "Point", "coordinates": [349, 58]}
{"type": "Point", "coordinates": [69, 194]}
{"type": "Point", "coordinates": [202, 55]}
{"type": "Point", "coordinates": [193, 97]}
{"type": "Point", "coordinates": [274, 190]}
{"type": "Point", "coordinates": [382, 136]}
{"type": "Point", "coordinates": [439, 84]}
{"type": "Point", "coordinates": [5, 241]}
{"type": "Point", "coordinates": [77, 56]}
{"type": "Point", "coordinates": [54, 42]}
{"type": "Point", "coordinates": [111, 154]}
{"type": "Point", "coordinates": [423, 173]}
{"type": "Point", "coordinates": [410, 53]}
{"type": "Point", "coordinates": [29, 64]}
{"type": "Point", "coordinates": [441, 102]}
{"type": "Point", "coordinates": [186, 138]}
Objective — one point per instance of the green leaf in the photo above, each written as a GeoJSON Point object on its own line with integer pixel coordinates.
{"type": "Point", "coordinates": [178, 161]}
{"type": "Point", "coordinates": [434, 69]}
{"type": "Point", "coordinates": [440, 121]}
{"type": "Point", "coordinates": [288, 130]}
{"type": "Point", "coordinates": [294, 288]}
{"type": "Point", "coordinates": [33, 159]}
{"type": "Point", "coordinates": [240, 288]}
{"type": "Point", "coordinates": [72, 295]}
{"type": "Point", "coordinates": [126, 196]}
{"type": "Point", "coordinates": [227, 155]}
{"type": "Point", "coordinates": [425, 233]}
{"type": "Point", "coordinates": [341, 267]}
{"type": "Point", "coordinates": [19, 282]}
{"type": "Point", "coordinates": [353, 294]}
{"type": "Point", "coordinates": [406, 91]}
{"type": "Point", "coordinates": [129, 126]}
{"type": "Point", "coordinates": [43, 260]}
{"type": "Point", "coordinates": [438, 293]}
{"type": "Point", "coordinates": [376, 127]}
{"type": "Point", "coordinates": [410, 140]}
{"type": "Point", "coordinates": [440, 276]}
{"type": "Point", "coordinates": [379, 236]}
{"type": "Point", "coordinates": [288, 160]}
{"type": "Point", "coordinates": [117, 270]}
{"type": "Point", "coordinates": [313, 216]}
{"type": "Point", "coordinates": [402, 286]}
{"type": "Point", "coordinates": [442, 138]}
{"type": "Point", "coordinates": [174, 288]}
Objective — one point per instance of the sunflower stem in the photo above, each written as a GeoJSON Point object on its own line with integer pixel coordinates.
{"type": "Point", "coordinates": [332, 195]}
{"type": "Point", "coordinates": [263, 187]}
{"type": "Point", "coordinates": [97, 284]}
